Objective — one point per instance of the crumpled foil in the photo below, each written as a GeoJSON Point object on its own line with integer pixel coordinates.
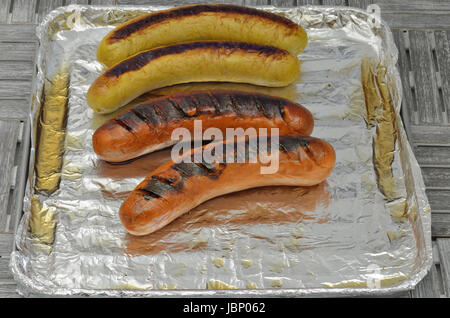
{"type": "Point", "coordinates": [365, 231]}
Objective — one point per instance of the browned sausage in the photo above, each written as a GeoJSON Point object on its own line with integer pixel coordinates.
{"type": "Point", "coordinates": [175, 188]}
{"type": "Point", "coordinates": [148, 126]}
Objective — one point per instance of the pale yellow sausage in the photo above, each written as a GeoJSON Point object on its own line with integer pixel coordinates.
{"type": "Point", "coordinates": [204, 61]}
{"type": "Point", "coordinates": [198, 23]}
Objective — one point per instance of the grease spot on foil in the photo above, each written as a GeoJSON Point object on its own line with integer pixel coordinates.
{"type": "Point", "coordinates": [247, 263]}
{"type": "Point", "coordinates": [218, 261]}
{"type": "Point", "coordinates": [216, 284]}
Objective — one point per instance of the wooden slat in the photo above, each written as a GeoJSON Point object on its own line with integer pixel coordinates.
{"type": "Point", "coordinates": [428, 155]}
{"type": "Point", "coordinates": [8, 143]}
{"type": "Point", "coordinates": [413, 5]}
{"type": "Point", "coordinates": [308, 2]}
{"type": "Point", "coordinates": [14, 109]}
{"type": "Point", "coordinates": [68, 2]}
{"type": "Point", "coordinates": [443, 62]}
{"type": "Point", "coordinates": [6, 244]}
{"type": "Point", "coordinates": [5, 272]}
{"type": "Point", "coordinates": [103, 2]}
{"type": "Point", "coordinates": [283, 3]}
{"type": "Point", "coordinates": [16, 70]}
{"type": "Point", "coordinates": [439, 199]}
{"type": "Point", "coordinates": [425, 79]}
{"type": "Point", "coordinates": [18, 33]}
{"type": "Point", "coordinates": [23, 11]}
{"type": "Point", "coordinates": [21, 160]}
{"type": "Point", "coordinates": [4, 10]}
{"type": "Point", "coordinates": [436, 176]}
{"type": "Point", "coordinates": [359, 3]}
{"type": "Point", "coordinates": [429, 286]}
{"type": "Point", "coordinates": [430, 135]}
{"type": "Point", "coordinates": [256, 2]}
{"type": "Point", "coordinates": [440, 224]}
{"type": "Point", "coordinates": [333, 2]}
{"type": "Point", "coordinates": [10, 89]}
{"type": "Point", "coordinates": [409, 106]}
{"type": "Point", "coordinates": [45, 6]}
{"type": "Point", "coordinates": [17, 51]}
{"type": "Point", "coordinates": [416, 20]}
{"type": "Point", "coordinates": [8, 290]}
{"type": "Point", "coordinates": [444, 253]}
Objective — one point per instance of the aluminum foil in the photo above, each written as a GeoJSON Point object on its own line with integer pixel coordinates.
{"type": "Point", "coordinates": [365, 231]}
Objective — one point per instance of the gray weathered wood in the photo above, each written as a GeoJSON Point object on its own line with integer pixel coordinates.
{"type": "Point", "coordinates": [430, 135]}
{"type": "Point", "coordinates": [409, 107]}
{"type": "Point", "coordinates": [8, 144]}
{"type": "Point", "coordinates": [14, 109]}
{"type": "Point", "coordinates": [436, 176]}
{"type": "Point", "coordinates": [440, 223]}
{"type": "Point", "coordinates": [16, 70]}
{"type": "Point", "coordinates": [439, 199]}
{"type": "Point", "coordinates": [17, 51]}
{"type": "Point", "coordinates": [428, 155]}
{"type": "Point", "coordinates": [443, 62]}
{"type": "Point", "coordinates": [425, 78]}
{"type": "Point", "coordinates": [359, 3]}
{"type": "Point", "coordinates": [103, 2]}
{"type": "Point", "coordinates": [46, 6]}
{"type": "Point", "coordinates": [8, 290]}
{"type": "Point", "coordinates": [18, 32]}
{"type": "Point", "coordinates": [308, 2]}
{"type": "Point", "coordinates": [429, 286]}
{"type": "Point", "coordinates": [333, 2]}
{"type": "Point", "coordinates": [22, 173]}
{"type": "Point", "coordinates": [256, 2]}
{"type": "Point", "coordinates": [5, 272]}
{"type": "Point", "coordinates": [23, 11]}
{"type": "Point", "coordinates": [68, 2]}
{"type": "Point", "coordinates": [10, 89]}
{"type": "Point", "coordinates": [283, 3]}
{"type": "Point", "coordinates": [416, 20]}
{"type": "Point", "coordinates": [413, 5]}
{"type": "Point", "coordinates": [6, 243]}
{"type": "Point", "coordinates": [4, 10]}
{"type": "Point", "coordinates": [444, 253]}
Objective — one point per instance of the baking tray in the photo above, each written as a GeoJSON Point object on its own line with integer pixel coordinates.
{"type": "Point", "coordinates": [365, 231]}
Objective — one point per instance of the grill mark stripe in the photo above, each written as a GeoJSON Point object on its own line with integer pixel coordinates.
{"type": "Point", "coordinates": [131, 28]}
{"type": "Point", "coordinates": [290, 143]}
{"type": "Point", "coordinates": [188, 170]}
{"type": "Point", "coordinates": [167, 181]}
{"type": "Point", "coordinates": [215, 102]}
{"type": "Point", "coordinates": [148, 112]}
{"type": "Point", "coordinates": [157, 187]}
{"type": "Point", "coordinates": [223, 101]}
{"type": "Point", "coordinates": [259, 107]}
{"type": "Point", "coordinates": [124, 125]}
{"type": "Point", "coordinates": [161, 114]}
{"type": "Point", "coordinates": [142, 117]}
{"type": "Point", "coordinates": [176, 106]}
{"type": "Point", "coordinates": [148, 195]}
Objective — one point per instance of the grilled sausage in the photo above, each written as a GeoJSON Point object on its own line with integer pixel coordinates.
{"type": "Point", "coordinates": [175, 188]}
{"type": "Point", "coordinates": [200, 22]}
{"type": "Point", "coordinates": [148, 126]}
{"type": "Point", "coordinates": [191, 62]}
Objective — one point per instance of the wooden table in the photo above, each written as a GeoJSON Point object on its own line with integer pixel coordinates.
{"type": "Point", "coordinates": [421, 30]}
